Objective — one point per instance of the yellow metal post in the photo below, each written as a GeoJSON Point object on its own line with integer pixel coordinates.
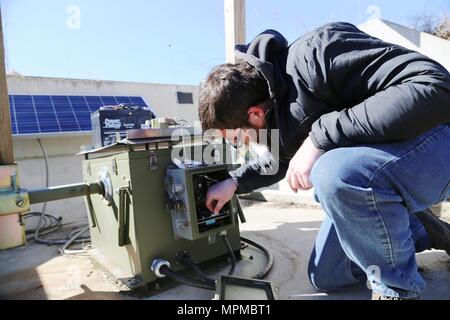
{"type": "Point", "coordinates": [12, 201]}
{"type": "Point", "coordinates": [6, 146]}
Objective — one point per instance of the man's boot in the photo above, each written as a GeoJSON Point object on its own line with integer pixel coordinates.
{"type": "Point", "coordinates": [438, 230]}
{"type": "Point", "coordinates": [376, 296]}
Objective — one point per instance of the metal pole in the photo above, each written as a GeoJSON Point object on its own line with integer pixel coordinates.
{"type": "Point", "coordinates": [63, 192]}
{"type": "Point", "coordinates": [234, 26]}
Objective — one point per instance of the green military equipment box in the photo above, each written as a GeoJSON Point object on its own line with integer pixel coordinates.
{"type": "Point", "coordinates": [149, 208]}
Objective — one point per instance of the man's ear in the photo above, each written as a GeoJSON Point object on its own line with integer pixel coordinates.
{"type": "Point", "coordinates": [256, 115]}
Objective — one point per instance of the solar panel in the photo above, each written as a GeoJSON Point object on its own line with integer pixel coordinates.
{"type": "Point", "coordinates": [37, 114]}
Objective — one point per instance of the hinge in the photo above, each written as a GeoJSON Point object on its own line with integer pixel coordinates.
{"type": "Point", "coordinates": [153, 160]}
{"type": "Point", "coordinates": [115, 170]}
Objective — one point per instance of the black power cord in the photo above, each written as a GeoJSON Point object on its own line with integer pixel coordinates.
{"type": "Point", "coordinates": [269, 264]}
{"type": "Point", "coordinates": [186, 261]}
{"type": "Point", "coordinates": [231, 254]}
{"type": "Point", "coordinates": [169, 273]}
{"type": "Point", "coordinates": [205, 282]}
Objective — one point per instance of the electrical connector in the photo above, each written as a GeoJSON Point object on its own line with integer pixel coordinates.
{"type": "Point", "coordinates": [156, 266]}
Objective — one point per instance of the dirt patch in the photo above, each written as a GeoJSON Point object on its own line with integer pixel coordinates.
{"type": "Point", "coordinates": [277, 205]}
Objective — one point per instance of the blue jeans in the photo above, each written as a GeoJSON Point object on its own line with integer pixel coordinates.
{"type": "Point", "coordinates": [370, 194]}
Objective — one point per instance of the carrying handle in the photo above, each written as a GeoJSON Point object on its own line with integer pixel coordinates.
{"type": "Point", "coordinates": [124, 212]}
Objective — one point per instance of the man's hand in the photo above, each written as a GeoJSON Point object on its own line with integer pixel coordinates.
{"type": "Point", "coordinates": [301, 165]}
{"type": "Point", "coordinates": [219, 194]}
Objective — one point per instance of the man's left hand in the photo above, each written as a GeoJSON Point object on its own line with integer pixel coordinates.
{"type": "Point", "coordinates": [301, 165]}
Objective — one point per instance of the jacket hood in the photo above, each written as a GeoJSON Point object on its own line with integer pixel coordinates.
{"type": "Point", "coordinates": [264, 53]}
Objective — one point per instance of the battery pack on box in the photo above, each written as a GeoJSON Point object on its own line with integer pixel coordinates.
{"type": "Point", "coordinates": [111, 123]}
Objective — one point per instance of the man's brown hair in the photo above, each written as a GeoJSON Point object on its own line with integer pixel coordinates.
{"type": "Point", "coordinates": [226, 94]}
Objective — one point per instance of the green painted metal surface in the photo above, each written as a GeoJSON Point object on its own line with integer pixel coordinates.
{"type": "Point", "coordinates": [136, 226]}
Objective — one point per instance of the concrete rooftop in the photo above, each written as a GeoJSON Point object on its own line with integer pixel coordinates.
{"type": "Point", "coordinates": [287, 230]}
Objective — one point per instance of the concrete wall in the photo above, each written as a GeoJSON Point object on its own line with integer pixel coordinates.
{"type": "Point", "coordinates": [427, 44]}
{"type": "Point", "coordinates": [64, 168]}
{"type": "Point", "coordinates": [64, 165]}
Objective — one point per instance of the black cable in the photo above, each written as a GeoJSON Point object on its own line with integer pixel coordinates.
{"type": "Point", "coordinates": [209, 283]}
{"type": "Point", "coordinates": [186, 260]}
{"type": "Point", "coordinates": [264, 272]}
{"type": "Point", "coordinates": [230, 251]}
{"type": "Point", "coordinates": [165, 270]}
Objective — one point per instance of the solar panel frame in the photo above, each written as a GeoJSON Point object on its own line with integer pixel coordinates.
{"type": "Point", "coordinates": [12, 112]}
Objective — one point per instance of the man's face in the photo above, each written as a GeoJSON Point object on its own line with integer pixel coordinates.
{"type": "Point", "coordinates": [256, 121]}
{"type": "Point", "coordinates": [240, 136]}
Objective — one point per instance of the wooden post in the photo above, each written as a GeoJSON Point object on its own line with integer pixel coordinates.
{"type": "Point", "coordinates": [12, 232]}
{"type": "Point", "coordinates": [6, 146]}
{"type": "Point", "coordinates": [234, 26]}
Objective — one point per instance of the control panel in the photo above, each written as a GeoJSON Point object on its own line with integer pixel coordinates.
{"type": "Point", "coordinates": [186, 190]}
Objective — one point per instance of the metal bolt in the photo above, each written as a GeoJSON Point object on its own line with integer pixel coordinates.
{"type": "Point", "coordinates": [178, 188]}
{"type": "Point", "coordinates": [212, 239]}
{"type": "Point", "coordinates": [183, 224]}
{"type": "Point", "coordinates": [20, 203]}
{"type": "Point", "coordinates": [133, 283]}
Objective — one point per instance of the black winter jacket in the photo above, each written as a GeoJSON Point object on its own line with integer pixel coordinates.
{"type": "Point", "coordinates": [343, 88]}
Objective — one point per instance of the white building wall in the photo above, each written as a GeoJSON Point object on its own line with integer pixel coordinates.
{"type": "Point", "coordinates": [64, 168]}
{"type": "Point", "coordinates": [434, 47]}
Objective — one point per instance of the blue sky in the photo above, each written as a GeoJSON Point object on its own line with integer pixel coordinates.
{"type": "Point", "coordinates": [164, 41]}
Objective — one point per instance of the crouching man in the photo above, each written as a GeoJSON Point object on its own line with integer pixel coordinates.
{"type": "Point", "coordinates": [367, 123]}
